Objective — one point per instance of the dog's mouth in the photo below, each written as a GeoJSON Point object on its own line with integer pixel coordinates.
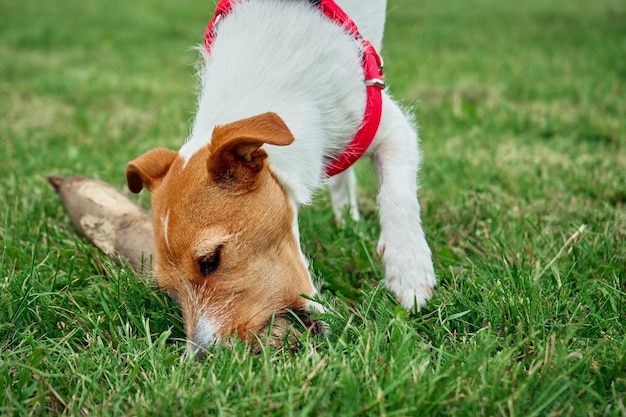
{"type": "Point", "coordinates": [285, 329]}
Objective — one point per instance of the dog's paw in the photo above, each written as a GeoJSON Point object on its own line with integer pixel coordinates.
{"type": "Point", "coordinates": [411, 297]}
{"type": "Point", "coordinates": [409, 274]}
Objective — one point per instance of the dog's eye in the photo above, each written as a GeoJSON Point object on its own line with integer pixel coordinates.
{"type": "Point", "coordinates": [208, 264]}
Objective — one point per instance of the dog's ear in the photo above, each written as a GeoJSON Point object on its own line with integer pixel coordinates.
{"type": "Point", "coordinates": [235, 155]}
{"type": "Point", "coordinates": [149, 169]}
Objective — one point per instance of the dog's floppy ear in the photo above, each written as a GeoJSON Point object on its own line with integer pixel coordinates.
{"type": "Point", "coordinates": [235, 155]}
{"type": "Point", "coordinates": [149, 169]}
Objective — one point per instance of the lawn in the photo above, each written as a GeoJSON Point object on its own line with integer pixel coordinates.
{"type": "Point", "coordinates": [522, 115]}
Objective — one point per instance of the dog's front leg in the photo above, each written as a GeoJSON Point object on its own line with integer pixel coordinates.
{"type": "Point", "coordinates": [409, 272]}
{"type": "Point", "coordinates": [343, 195]}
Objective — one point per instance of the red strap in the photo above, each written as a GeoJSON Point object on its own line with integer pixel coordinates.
{"type": "Point", "coordinates": [372, 69]}
{"type": "Point", "coordinates": [223, 8]}
{"type": "Point", "coordinates": [337, 15]}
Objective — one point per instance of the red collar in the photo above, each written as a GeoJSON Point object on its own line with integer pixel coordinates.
{"type": "Point", "coordinates": [372, 69]}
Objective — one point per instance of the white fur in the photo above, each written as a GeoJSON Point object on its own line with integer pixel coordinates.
{"type": "Point", "coordinates": [165, 222]}
{"type": "Point", "coordinates": [206, 332]}
{"type": "Point", "coordinates": [286, 57]}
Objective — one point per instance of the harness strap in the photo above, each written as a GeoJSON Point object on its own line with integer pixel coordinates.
{"type": "Point", "coordinates": [372, 69]}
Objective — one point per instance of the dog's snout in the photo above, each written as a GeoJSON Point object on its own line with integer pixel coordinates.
{"type": "Point", "coordinates": [198, 353]}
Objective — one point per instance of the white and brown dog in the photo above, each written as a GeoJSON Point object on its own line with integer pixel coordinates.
{"type": "Point", "coordinates": [283, 94]}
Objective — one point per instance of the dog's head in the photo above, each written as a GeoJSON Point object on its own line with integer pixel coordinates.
{"type": "Point", "coordinates": [226, 245]}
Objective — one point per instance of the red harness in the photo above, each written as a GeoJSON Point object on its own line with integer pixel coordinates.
{"type": "Point", "coordinates": [372, 69]}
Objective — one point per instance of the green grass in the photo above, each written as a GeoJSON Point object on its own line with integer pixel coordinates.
{"type": "Point", "coordinates": [523, 125]}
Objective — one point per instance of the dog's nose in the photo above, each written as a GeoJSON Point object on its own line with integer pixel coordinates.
{"type": "Point", "coordinates": [196, 352]}
{"type": "Point", "coordinates": [200, 355]}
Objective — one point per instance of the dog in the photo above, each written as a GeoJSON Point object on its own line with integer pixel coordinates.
{"type": "Point", "coordinates": [283, 93]}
